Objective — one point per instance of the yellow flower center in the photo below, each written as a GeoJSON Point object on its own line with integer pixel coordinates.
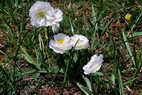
{"type": "Point", "coordinates": [128, 16]}
{"type": "Point", "coordinates": [60, 41]}
{"type": "Point", "coordinates": [79, 46]}
{"type": "Point", "coordinates": [41, 14]}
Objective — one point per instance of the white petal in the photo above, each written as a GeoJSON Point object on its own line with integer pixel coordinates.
{"type": "Point", "coordinates": [80, 42]}
{"type": "Point", "coordinates": [39, 5]}
{"type": "Point", "coordinates": [58, 12]}
{"type": "Point", "coordinates": [58, 15]}
{"type": "Point", "coordinates": [55, 49]}
{"type": "Point", "coordinates": [60, 36]}
{"type": "Point", "coordinates": [93, 65]}
{"type": "Point", "coordinates": [51, 18]}
{"type": "Point", "coordinates": [60, 47]}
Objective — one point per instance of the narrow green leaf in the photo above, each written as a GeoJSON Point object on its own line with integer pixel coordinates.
{"type": "Point", "coordinates": [88, 83]}
{"type": "Point", "coordinates": [128, 47]}
{"type": "Point", "coordinates": [135, 34]}
{"type": "Point", "coordinates": [136, 21]}
{"type": "Point", "coordinates": [30, 59]}
{"type": "Point", "coordinates": [120, 83]}
{"type": "Point", "coordinates": [113, 78]}
{"type": "Point", "coordinates": [84, 89]}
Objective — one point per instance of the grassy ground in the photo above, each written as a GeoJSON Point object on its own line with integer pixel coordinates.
{"type": "Point", "coordinates": [29, 67]}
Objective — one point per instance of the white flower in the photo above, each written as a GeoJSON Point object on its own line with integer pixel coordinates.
{"type": "Point", "coordinates": [43, 14]}
{"type": "Point", "coordinates": [61, 43]}
{"type": "Point", "coordinates": [94, 64]}
{"type": "Point", "coordinates": [79, 42]}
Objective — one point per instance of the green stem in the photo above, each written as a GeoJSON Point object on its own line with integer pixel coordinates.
{"type": "Point", "coordinates": [128, 47]}
{"type": "Point", "coordinates": [46, 34]}
{"type": "Point", "coordinates": [65, 75]}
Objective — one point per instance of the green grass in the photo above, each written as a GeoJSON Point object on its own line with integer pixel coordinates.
{"type": "Point", "coordinates": [26, 52]}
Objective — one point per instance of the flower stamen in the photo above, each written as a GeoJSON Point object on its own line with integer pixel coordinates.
{"type": "Point", "coordinates": [41, 14]}
{"type": "Point", "coordinates": [60, 41]}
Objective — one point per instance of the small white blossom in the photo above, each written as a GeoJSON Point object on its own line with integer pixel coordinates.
{"type": "Point", "coordinates": [94, 64]}
{"type": "Point", "coordinates": [61, 43]}
{"type": "Point", "coordinates": [43, 14]}
{"type": "Point", "coordinates": [79, 42]}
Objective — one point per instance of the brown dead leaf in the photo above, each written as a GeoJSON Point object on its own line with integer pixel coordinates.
{"type": "Point", "coordinates": [140, 77]}
{"type": "Point", "coordinates": [134, 93]}
{"type": "Point", "coordinates": [140, 39]}
{"type": "Point", "coordinates": [67, 92]}
{"type": "Point", "coordinates": [14, 27]}
{"type": "Point", "coordinates": [2, 38]}
{"type": "Point", "coordinates": [48, 91]}
{"type": "Point", "coordinates": [1, 58]}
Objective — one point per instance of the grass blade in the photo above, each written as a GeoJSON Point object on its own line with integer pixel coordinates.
{"type": "Point", "coordinates": [88, 83]}
{"type": "Point", "coordinates": [135, 34]}
{"type": "Point", "coordinates": [30, 59]}
{"type": "Point", "coordinates": [128, 47]}
{"type": "Point", "coordinates": [120, 83]}
{"type": "Point", "coordinates": [84, 89]}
